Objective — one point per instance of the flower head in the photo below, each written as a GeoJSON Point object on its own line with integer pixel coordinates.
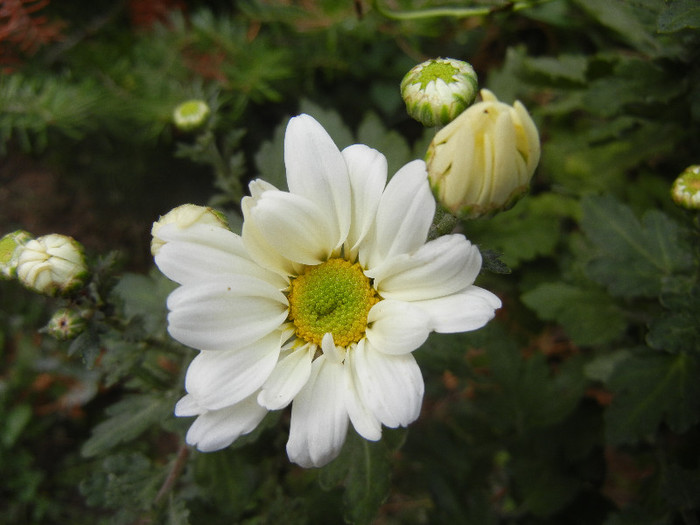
{"type": "Point", "coordinates": [191, 115]}
{"type": "Point", "coordinates": [52, 264]}
{"type": "Point", "coordinates": [320, 302]}
{"type": "Point", "coordinates": [10, 247]}
{"type": "Point", "coordinates": [483, 160]}
{"type": "Point", "coordinates": [438, 90]}
{"type": "Point", "coordinates": [686, 188]}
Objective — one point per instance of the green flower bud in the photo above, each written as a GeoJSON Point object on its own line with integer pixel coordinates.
{"type": "Point", "coordinates": [10, 247]}
{"type": "Point", "coordinates": [191, 115]}
{"type": "Point", "coordinates": [185, 216]}
{"type": "Point", "coordinates": [482, 162]}
{"type": "Point", "coordinates": [52, 264]}
{"type": "Point", "coordinates": [66, 324]}
{"type": "Point", "coordinates": [437, 91]}
{"type": "Point", "coordinates": [686, 188]}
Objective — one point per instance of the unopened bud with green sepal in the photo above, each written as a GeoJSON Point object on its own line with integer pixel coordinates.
{"type": "Point", "coordinates": [66, 324]}
{"type": "Point", "coordinates": [686, 188]}
{"type": "Point", "coordinates": [438, 90]}
{"type": "Point", "coordinates": [10, 247]}
{"type": "Point", "coordinates": [52, 264]}
{"type": "Point", "coordinates": [185, 216]}
{"type": "Point", "coordinates": [191, 115]}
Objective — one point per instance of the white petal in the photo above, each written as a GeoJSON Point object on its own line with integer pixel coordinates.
{"type": "Point", "coordinates": [404, 216]}
{"type": "Point", "coordinates": [367, 170]}
{"type": "Point", "coordinates": [468, 310]}
{"type": "Point", "coordinates": [226, 314]}
{"type": "Point", "coordinates": [220, 379]}
{"type": "Point", "coordinates": [217, 429]}
{"type": "Point", "coordinates": [396, 327]}
{"type": "Point", "coordinates": [316, 170]}
{"type": "Point", "coordinates": [331, 351]}
{"type": "Point", "coordinates": [289, 376]}
{"type": "Point", "coordinates": [361, 416]}
{"type": "Point", "coordinates": [440, 267]}
{"type": "Point", "coordinates": [391, 385]}
{"type": "Point", "coordinates": [201, 252]}
{"type": "Point", "coordinates": [188, 406]}
{"type": "Point", "coordinates": [319, 417]}
{"type": "Point", "coordinates": [293, 226]}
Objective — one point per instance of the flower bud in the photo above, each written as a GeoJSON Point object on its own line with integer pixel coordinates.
{"type": "Point", "coordinates": [686, 188]}
{"type": "Point", "coordinates": [185, 216]}
{"type": "Point", "coordinates": [66, 324]}
{"type": "Point", "coordinates": [191, 115]}
{"type": "Point", "coordinates": [52, 264]}
{"type": "Point", "coordinates": [438, 90]}
{"type": "Point", "coordinates": [10, 247]}
{"type": "Point", "coordinates": [482, 162]}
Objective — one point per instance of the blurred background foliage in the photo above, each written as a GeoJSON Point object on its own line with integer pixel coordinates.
{"type": "Point", "coordinates": [579, 404]}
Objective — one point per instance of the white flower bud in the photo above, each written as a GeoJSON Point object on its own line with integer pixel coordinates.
{"type": "Point", "coordinates": [482, 162]}
{"type": "Point", "coordinates": [191, 115]}
{"type": "Point", "coordinates": [10, 247]}
{"type": "Point", "coordinates": [66, 324]}
{"type": "Point", "coordinates": [52, 264]}
{"type": "Point", "coordinates": [185, 216]}
{"type": "Point", "coordinates": [438, 90]}
{"type": "Point", "coordinates": [686, 188]}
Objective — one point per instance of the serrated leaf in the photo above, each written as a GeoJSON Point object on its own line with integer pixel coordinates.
{"type": "Point", "coordinates": [569, 69]}
{"type": "Point", "coordinates": [588, 315]}
{"type": "Point", "coordinates": [145, 296]}
{"type": "Point", "coordinates": [88, 346]}
{"type": "Point", "coordinates": [679, 14]}
{"type": "Point", "coordinates": [633, 257]}
{"type": "Point", "coordinates": [128, 419]}
{"type": "Point", "coordinates": [650, 388]}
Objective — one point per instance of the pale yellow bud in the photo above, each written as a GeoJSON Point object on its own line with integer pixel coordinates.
{"type": "Point", "coordinates": [686, 188]}
{"type": "Point", "coordinates": [52, 264]}
{"type": "Point", "coordinates": [482, 162]}
{"type": "Point", "coordinates": [10, 247]}
{"type": "Point", "coordinates": [185, 216]}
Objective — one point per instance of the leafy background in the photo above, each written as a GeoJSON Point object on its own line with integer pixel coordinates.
{"type": "Point", "coordinates": [579, 404]}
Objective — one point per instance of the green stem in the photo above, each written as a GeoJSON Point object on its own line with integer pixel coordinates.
{"type": "Point", "coordinates": [455, 12]}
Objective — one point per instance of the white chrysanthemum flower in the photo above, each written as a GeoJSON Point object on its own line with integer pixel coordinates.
{"type": "Point", "coordinates": [320, 302]}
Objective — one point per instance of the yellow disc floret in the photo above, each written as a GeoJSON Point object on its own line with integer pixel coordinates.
{"type": "Point", "coordinates": [333, 297]}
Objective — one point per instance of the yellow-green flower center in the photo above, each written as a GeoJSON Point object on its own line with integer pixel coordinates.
{"type": "Point", "coordinates": [333, 297]}
{"type": "Point", "coordinates": [437, 70]}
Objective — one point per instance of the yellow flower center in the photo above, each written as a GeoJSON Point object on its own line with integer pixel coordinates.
{"type": "Point", "coordinates": [333, 297]}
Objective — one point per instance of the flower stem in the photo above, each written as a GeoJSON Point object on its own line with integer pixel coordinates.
{"type": "Point", "coordinates": [455, 12]}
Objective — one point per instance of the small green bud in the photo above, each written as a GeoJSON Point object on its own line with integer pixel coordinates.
{"type": "Point", "coordinates": [438, 90]}
{"type": "Point", "coordinates": [10, 247]}
{"type": "Point", "coordinates": [52, 264]}
{"type": "Point", "coordinates": [482, 161]}
{"type": "Point", "coordinates": [185, 216]}
{"type": "Point", "coordinates": [191, 115]}
{"type": "Point", "coordinates": [66, 324]}
{"type": "Point", "coordinates": [686, 188]}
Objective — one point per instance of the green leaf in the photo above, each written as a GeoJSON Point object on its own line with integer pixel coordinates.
{"type": "Point", "coordinates": [679, 14]}
{"type": "Point", "coordinates": [331, 121]}
{"type": "Point", "coordinates": [365, 468]}
{"type": "Point", "coordinates": [14, 423]}
{"type": "Point", "coordinates": [128, 419]}
{"type": "Point", "coordinates": [650, 388]}
{"type": "Point", "coordinates": [632, 258]}
{"type": "Point", "coordinates": [144, 296]}
{"type": "Point", "coordinates": [588, 315]}
{"type": "Point", "coordinates": [391, 144]}
{"type": "Point", "coordinates": [678, 329]}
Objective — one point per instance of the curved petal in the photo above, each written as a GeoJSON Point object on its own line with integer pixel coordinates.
{"type": "Point", "coordinates": [361, 416]}
{"type": "Point", "coordinates": [468, 310]}
{"type": "Point", "coordinates": [367, 169]}
{"type": "Point", "coordinates": [288, 377]}
{"type": "Point", "coordinates": [319, 417]}
{"type": "Point", "coordinates": [187, 406]}
{"type": "Point", "coordinates": [224, 315]}
{"type": "Point", "coordinates": [396, 327]}
{"type": "Point", "coordinates": [202, 252]}
{"type": "Point", "coordinates": [316, 170]}
{"type": "Point", "coordinates": [293, 226]}
{"type": "Point", "coordinates": [404, 216]}
{"type": "Point", "coordinates": [221, 379]}
{"type": "Point", "coordinates": [440, 267]}
{"type": "Point", "coordinates": [391, 385]}
{"type": "Point", "coordinates": [217, 429]}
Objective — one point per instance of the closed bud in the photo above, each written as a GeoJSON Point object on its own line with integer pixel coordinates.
{"type": "Point", "coordinates": [66, 324]}
{"type": "Point", "coordinates": [191, 115]}
{"type": "Point", "coordinates": [438, 90]}
{"type": "Point", "coordinates": [52, 264]}
{"type": "Point", "coordinates": [686, 188]}
{"type": "Point", "coordinates": [482, 162]}
{"type": "Point", "coordinates": [185, 216]}
{"type": "Point", "coordinates": [10, 247]}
